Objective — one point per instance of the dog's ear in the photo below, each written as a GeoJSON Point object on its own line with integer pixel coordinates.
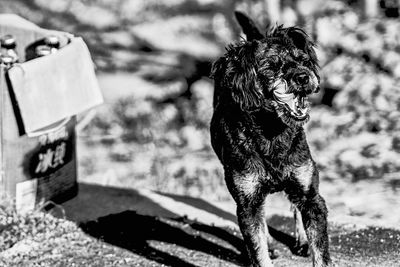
{"type": "Point", "coordinates": [235, 77]}
{"type": "Point", "coordinates": [299, 37]}
{"type": "Point", "coordinates": [248, 26]}
{"type": "Point", "coordinates": [302, 41]}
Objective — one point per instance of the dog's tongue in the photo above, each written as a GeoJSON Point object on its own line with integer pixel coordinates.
{"type": "Point", "coordinates": [283, 97]}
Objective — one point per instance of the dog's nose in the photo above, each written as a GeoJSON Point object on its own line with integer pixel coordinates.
{"type": "Point", "coordinates": [302, 79]}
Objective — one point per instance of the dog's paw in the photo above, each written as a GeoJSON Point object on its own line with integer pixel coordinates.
{"type": "Point", "coordinates": [301, 250]}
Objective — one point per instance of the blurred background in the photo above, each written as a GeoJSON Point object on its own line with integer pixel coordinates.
{"type": "Point", "coordinates": [153, 60]}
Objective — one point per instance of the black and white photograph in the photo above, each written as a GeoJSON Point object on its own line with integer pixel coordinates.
{"type": "Point", "coordinates": [199, 133]}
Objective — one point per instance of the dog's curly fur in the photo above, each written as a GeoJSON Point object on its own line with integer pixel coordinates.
{"type": "Point", "coordinates": [261, 142]}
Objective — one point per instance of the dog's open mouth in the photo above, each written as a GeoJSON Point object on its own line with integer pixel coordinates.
{"type": "Point", "coordinates": [297, 105]}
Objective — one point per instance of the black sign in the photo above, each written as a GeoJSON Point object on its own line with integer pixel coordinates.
{"type": "Point", "coordinates": [54, 150]}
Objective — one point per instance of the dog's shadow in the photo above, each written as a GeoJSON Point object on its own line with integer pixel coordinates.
{"type": "Point", "coordinates": [162, 235]}
{"type": "Point", "coordinates": [139, 233]}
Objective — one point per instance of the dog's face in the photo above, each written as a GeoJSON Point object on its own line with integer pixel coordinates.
{"type": "Point", "coordinates": [287, 73]}
{"type": "Point", "coordinates": [276, 72]}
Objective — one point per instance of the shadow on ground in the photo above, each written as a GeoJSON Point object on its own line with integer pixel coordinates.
{"type": "Point", "coordinates": [152, 226]}
{"type": "Point", "coordinates": [134, 221]}
{"type": "Point", "coordinates": [166, 240]}
{"type": "Point", "coordinates": [136, 232]}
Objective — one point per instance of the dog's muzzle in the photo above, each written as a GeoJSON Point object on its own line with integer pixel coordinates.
{"type": "Point", "coordinates": [297, 105]}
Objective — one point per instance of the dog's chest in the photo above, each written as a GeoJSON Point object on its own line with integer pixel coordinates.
{"type": "Point", "coordinates": [283, 150]}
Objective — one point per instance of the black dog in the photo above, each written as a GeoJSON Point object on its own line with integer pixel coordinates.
{"type": "Point", "coordinates": [260, 107]}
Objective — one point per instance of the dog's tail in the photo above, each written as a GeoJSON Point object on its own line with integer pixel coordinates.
{"type": "Point", "coordinates": [248, 26]}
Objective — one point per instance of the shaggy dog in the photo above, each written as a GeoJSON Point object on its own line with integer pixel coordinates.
{"type": "Point", "coordinates": [260, 107]}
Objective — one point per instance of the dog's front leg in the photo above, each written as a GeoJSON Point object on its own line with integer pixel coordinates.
{"type": "Point", "coordinates": [303, 193]}
{"type": "Point", "coordinates": [254, 229]}
{"type": "Point", "coordinates": [301, 247]}
{"type": "Point", "coordinates": [251, 218]}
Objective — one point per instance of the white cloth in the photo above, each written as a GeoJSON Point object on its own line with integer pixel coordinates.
{"type": "Point", "coordinates": [51, 88]}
